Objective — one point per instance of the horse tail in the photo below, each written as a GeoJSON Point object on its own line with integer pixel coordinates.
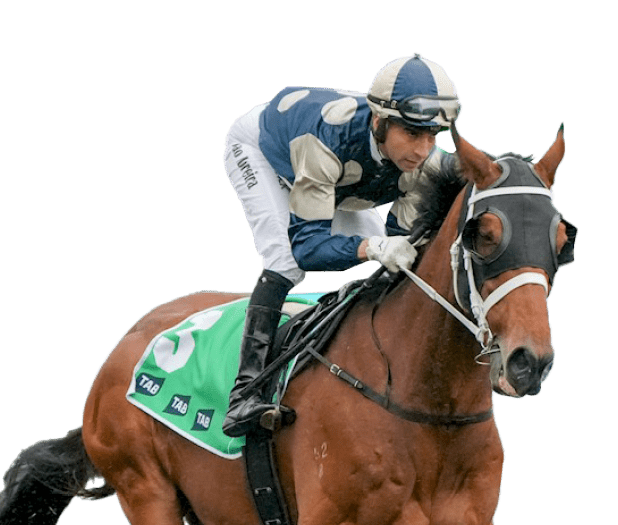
{"type": "Point", "coordinates": [44, 478]}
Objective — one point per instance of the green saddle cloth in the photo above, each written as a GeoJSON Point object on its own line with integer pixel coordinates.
{"type": "Point", "coordinates": [186, 374]}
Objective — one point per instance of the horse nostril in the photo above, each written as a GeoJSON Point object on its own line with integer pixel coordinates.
{"type": "Point", "coordinates": [546, 371]}
{"type": "Point", "coordinates": [523, 371]}
{"type": "Point", "coordinates": [520, 363]}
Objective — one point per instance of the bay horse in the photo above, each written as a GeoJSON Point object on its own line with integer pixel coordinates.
{"type": "Point", "coordinates": [346, 459]}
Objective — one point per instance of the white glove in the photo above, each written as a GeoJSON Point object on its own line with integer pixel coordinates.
{"type": "Point", "coordinates": [393, 252]}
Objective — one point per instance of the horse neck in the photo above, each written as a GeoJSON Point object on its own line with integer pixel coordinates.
{"type": "Point", "coordinates": [431, 352]}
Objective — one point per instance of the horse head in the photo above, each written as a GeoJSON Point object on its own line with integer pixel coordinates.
{"type": "Point", "coordinates": [513, 240]}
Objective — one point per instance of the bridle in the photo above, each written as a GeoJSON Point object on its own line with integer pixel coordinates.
{"type": "Point", "coordinates": [523, 183]}
{"type": "Point", "coordinates": [518, 186]}
{"type": "Point", "coordinates": [478, 306]}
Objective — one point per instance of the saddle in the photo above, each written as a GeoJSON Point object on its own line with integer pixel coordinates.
{"type": "Point", "coordinates": [305, 337]}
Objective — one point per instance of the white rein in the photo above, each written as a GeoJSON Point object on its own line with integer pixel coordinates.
{"type": "Point", "coordinates": [480, 307]}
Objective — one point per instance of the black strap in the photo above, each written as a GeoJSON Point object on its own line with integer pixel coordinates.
{"type": "Point", "coordinates": [263, 478]}
{"type": "Point", "coordinates": [414, 416]}
{"type": "Point", "coordinates": [327, 321]}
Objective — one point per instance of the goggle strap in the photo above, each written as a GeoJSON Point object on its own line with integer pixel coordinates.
{"type": "Point", "coordinates": [388, 104]}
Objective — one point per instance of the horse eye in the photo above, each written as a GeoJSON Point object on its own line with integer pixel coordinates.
{"type": "Point", "coordinates": [484, 235]}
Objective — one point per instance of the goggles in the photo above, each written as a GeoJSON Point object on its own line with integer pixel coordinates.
{"type": "Point", "coordinates": [422, 108]}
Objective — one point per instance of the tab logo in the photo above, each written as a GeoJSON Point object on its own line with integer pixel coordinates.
{"type": "Point", "coordinates": [148, 385]}
{"type": "Point", "coordinates": [178, 405]}
{"type": "Point", "coordinates": [203, 419]}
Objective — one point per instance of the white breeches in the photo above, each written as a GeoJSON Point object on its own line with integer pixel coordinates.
{"type": "Point", "coordinates": [265, 200]}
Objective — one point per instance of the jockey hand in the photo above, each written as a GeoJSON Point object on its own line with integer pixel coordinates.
{"type": "Point", "coordinates": [393, 252]}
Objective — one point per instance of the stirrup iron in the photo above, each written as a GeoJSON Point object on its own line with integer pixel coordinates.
{"type": "Point", "coordinates": [276, 418]}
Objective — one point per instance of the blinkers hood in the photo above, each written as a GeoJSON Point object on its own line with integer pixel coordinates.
{"type": "Point", "coordinates": [529, 226]}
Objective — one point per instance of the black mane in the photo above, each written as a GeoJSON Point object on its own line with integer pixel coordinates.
{"type": "Point", "coordinates": [439, 189]}
{"type": "Point", "coordinates": [442, 191]}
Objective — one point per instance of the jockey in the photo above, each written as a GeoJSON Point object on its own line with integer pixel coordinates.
{"type": "Point", "coordinates": [309, 167]}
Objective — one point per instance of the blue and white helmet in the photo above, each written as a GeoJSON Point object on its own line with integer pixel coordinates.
{"type": "Point", "coordinates": [416, 90]}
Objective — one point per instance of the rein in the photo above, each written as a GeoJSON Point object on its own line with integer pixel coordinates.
{"type": "Point", "coordinates": [414, 416]}
{"type": "Point", "coordinates": [479, 307]}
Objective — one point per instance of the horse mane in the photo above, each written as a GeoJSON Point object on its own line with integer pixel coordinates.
{"type": "Point", "coordinates": [442, 186]}
{"type": "Point", "coordinates": [441, 192]}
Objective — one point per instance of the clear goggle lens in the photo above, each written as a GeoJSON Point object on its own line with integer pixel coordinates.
{"type": "Point", "coordinates": [425, 108]}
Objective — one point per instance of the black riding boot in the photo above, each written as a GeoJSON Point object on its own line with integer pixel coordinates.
{"type": "Point", "coordinates": [263, 314]}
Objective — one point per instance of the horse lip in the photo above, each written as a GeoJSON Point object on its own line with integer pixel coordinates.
{"type": "Point", "coordinates": [505, 388]}
{"type": "Point", "coordinates": [499, 382]}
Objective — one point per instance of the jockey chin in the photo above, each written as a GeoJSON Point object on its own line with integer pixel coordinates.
{"type": "Point", "coordinates": [310, 166]}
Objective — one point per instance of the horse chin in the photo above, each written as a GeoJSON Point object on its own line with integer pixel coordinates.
{"type": "Point", "coordinates": [504, 388]}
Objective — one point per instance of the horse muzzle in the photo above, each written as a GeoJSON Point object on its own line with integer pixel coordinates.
{"type": "Point", "coordinates": [521, 373]}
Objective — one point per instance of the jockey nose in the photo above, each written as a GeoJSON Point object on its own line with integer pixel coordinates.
{"type": "Point", "coordinates": [526, 371]}
{"type": "Point", "coordinates": [423, 144]}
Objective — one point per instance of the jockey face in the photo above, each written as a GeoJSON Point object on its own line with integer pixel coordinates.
{"type": "Point", "coordinates": [406, 148]}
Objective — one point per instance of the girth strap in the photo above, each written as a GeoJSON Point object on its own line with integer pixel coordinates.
{"type": "Point", "coordinates": [263, 478]}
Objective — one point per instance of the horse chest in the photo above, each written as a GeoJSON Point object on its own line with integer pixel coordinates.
{"type": "Point", "coordinates": [458, 476]}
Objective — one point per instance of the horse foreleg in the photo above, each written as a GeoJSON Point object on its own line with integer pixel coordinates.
{"type": "Point", "coordinates": [471, 497]}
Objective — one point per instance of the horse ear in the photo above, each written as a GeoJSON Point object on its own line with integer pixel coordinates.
{"type": "Point", "coordinates": [547, 166]}
{"type": "Point", "coordinates": [475, 165]}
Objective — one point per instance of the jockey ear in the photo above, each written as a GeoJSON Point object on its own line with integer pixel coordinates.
{"type": "Point", "coordinates": [547, 166]}
{"type": "Point", "coordinates": [476, 165]}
